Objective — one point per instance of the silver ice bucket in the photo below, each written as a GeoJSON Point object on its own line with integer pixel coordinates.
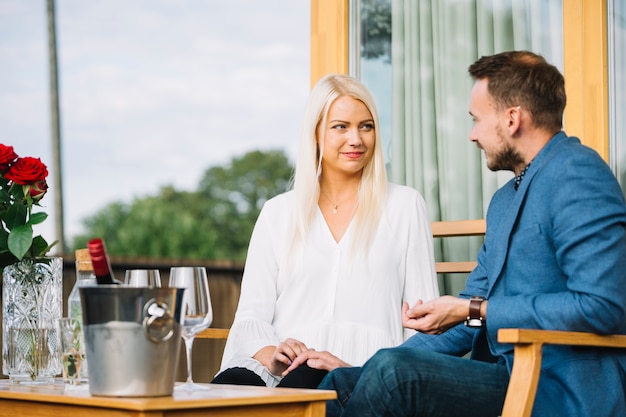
{"type": "Point", "coordinates": [132, 339]}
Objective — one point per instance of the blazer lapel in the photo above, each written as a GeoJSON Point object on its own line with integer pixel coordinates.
{"type": "Point", "coordinates": [510, 213]}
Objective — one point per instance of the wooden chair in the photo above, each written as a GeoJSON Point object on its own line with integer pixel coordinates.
{"type": "Point", "coordinates": [457, 228]}
{"type": "Point", "coordinates": [520, 395]}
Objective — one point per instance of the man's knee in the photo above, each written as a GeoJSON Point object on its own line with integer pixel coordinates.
{"type": "Point", "coordinates": [388, 359]}
{"type": "Point", "coordinates": [341, 378]}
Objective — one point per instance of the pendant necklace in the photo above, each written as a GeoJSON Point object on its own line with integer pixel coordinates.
{"type": "Point", "coordinates": [336, 205]}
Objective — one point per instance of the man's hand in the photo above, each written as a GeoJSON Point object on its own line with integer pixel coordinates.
{"type": "Point", "coordinates": [318, 360]}
{"type": "Point", "coordinates": [436, 316]}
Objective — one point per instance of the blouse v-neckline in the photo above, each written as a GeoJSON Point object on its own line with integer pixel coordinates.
{"type": "Point", "coordinates": [329, 232]}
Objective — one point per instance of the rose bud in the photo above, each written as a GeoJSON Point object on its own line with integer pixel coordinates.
{"type": "Point", "coordinates": [38, 190]}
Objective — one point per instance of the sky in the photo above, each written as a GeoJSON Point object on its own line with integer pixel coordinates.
{"type": "Point", "coordinates": [152, 92]}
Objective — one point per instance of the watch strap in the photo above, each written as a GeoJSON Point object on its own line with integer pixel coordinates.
{"type": "Point", "coordinates": [475, 319]}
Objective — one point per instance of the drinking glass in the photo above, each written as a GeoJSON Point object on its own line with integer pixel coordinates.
{"type": "Point", "coordinates": [73, 351]}
{"type": "Point", "coordinates": [150, 278]}
{"type": "Point", "coordinates": [197, 313]}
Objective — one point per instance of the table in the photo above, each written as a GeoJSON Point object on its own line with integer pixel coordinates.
{"type": "Point", "coordinates": [218, 401]}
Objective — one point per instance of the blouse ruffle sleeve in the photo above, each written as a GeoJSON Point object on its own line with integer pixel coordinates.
{"type": "Point", "coordinates": [420, 282]}
{"type": "Point", "coordinates": [252, 327]}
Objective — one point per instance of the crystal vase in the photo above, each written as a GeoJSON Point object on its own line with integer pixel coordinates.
{"type": "Point", "coordinates": [31, 306]}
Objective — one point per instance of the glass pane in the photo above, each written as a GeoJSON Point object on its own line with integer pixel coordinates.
{"type": "Point", "coordinates": [375, 63]}
{"type": "Point", "coordinates": [617, 87]}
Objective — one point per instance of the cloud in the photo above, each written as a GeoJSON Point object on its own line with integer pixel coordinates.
{"type": "Point", "coordinates": [153, 92]}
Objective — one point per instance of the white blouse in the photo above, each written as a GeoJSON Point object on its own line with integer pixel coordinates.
{"type": "Point", "coordinates": [329, 300]}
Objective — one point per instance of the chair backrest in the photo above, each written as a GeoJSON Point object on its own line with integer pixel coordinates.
{"type": "Point", "coordinates": [456, 228]}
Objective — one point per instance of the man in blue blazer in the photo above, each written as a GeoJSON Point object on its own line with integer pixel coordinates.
{"type": "Point", "coordinates": [554, 257]}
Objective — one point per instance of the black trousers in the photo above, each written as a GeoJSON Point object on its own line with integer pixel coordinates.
{"type": "Point", "coordinates": [301, 377]}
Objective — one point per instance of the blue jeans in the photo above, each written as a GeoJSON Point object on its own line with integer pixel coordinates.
{"type": "Point", "coordinates": [411, 382]}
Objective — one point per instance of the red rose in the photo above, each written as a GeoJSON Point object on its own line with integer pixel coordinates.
{"type": "Point", "coordinates": [27, 171]}
{"type": "Point", "coordinates": [7, 157]}
{"type": "Point", "coordinates": [38, 190]}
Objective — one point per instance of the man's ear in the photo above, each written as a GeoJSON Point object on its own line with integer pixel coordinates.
{"type": "Point", "coordinates": [514, 119]}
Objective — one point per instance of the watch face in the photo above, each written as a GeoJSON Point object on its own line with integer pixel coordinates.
{"type": "Point", "coordinates": [474, 322]}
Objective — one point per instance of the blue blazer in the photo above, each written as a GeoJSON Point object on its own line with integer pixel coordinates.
{"type": "Point", "coordinates": [554, 257]}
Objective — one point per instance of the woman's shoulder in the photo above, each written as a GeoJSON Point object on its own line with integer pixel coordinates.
{"type": "Point", "coordinates": [282, 198]}
{"type": "Point", "coordinates": [279, 203]}
{"type": "Point", "coordinates": [403, 200]}
{"type": "Point", "coordinates": [400, 192]}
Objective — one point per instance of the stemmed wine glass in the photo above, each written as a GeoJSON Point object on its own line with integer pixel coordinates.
{"type": "Point", "coordinates": [197, 312]}
{"type": "Point", "coordinates": [150, 278]}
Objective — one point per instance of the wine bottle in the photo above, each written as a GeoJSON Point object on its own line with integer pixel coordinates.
{"type": "Point", "coordinates": [100, 261]}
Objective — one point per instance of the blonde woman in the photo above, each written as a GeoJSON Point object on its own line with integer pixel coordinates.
{"type": "Point", "coordinates": [332, 261]}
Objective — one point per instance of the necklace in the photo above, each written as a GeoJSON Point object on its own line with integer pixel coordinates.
{"type": "Point", "coordinates": [336, 205]}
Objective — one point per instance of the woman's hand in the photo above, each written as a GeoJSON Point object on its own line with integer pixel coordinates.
{"type": "Point", "coordinates": [318, 360]}
{"type": "Point", "coordinates": [285, 354]}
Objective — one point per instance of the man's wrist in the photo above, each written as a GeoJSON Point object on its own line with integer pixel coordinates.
{"type": "Point", "coordinates": [476, 312]}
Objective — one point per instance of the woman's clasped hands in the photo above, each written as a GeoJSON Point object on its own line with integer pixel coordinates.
{"type": "Point", "coordinates": [292, 353]}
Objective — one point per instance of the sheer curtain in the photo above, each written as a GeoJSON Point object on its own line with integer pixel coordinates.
{"type": "Point", "coordinates": [433, 43]}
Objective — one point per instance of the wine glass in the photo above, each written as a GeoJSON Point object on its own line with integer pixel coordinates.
{"type": "Point", "coordinates": [197, 312]}
{"type": "Point", "coordinates": [150, 278]}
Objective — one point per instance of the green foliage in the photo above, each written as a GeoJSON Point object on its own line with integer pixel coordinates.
{"type": "Point", "coordinates": [214, 222]}
{"type": "Point", "coordinates": [376, 29]}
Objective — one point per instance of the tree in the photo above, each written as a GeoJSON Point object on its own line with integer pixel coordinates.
{"type": "Point", "coordinates": [214, 222]}
{"type": "Point", "coordinates": [376, 29]}
{"type": "Point", "coordinates": [239, 191]}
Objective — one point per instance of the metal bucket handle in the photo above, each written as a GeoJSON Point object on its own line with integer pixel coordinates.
{"type": "Point", "coordinates": [158, 324]}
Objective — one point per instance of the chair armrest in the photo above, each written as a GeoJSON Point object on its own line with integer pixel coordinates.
{"type": "Point", "coordinates": [554, 337]}
{"type": "Point", "coordinates": [520, 395]}
{"type": "Point", "coordinates": [213, 333]}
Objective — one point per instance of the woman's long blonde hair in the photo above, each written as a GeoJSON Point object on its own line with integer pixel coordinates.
{"type": "Point", "coordinates": [306, 185]}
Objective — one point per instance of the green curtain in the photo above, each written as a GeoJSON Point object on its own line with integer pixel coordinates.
{"type": "Point", "coordinates": [433, 43]}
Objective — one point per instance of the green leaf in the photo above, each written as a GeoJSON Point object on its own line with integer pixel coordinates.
{"type": "Point", "coordinates": [20, 240]}
{"type": "Point", "coordinates": [5, 197]}
{"type": "Point", "coordinates": [4, 237]}
{"type": "Point", "coordinates": [40, 247]}
{"type": "Point", "coordinates": [17, 192]}
{"type": "Point", "coordinates": [37, 218]}
{"type": "Point", "coordinates": [16, 216]}
{"type": "Point", "coordinates": [6, 259]}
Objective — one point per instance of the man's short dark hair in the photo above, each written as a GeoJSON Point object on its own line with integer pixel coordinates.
{"type": "Point", "coordinates": [523, 78]}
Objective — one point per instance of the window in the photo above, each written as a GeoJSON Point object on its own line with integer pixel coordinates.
{"type": "Point", "coordinates": [617, 87]}
{"type": "Point", "coordinates": [415, 63]}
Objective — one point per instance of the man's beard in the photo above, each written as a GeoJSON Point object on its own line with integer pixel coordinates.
{"type": "Point", "coordinates": [507, 159]}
